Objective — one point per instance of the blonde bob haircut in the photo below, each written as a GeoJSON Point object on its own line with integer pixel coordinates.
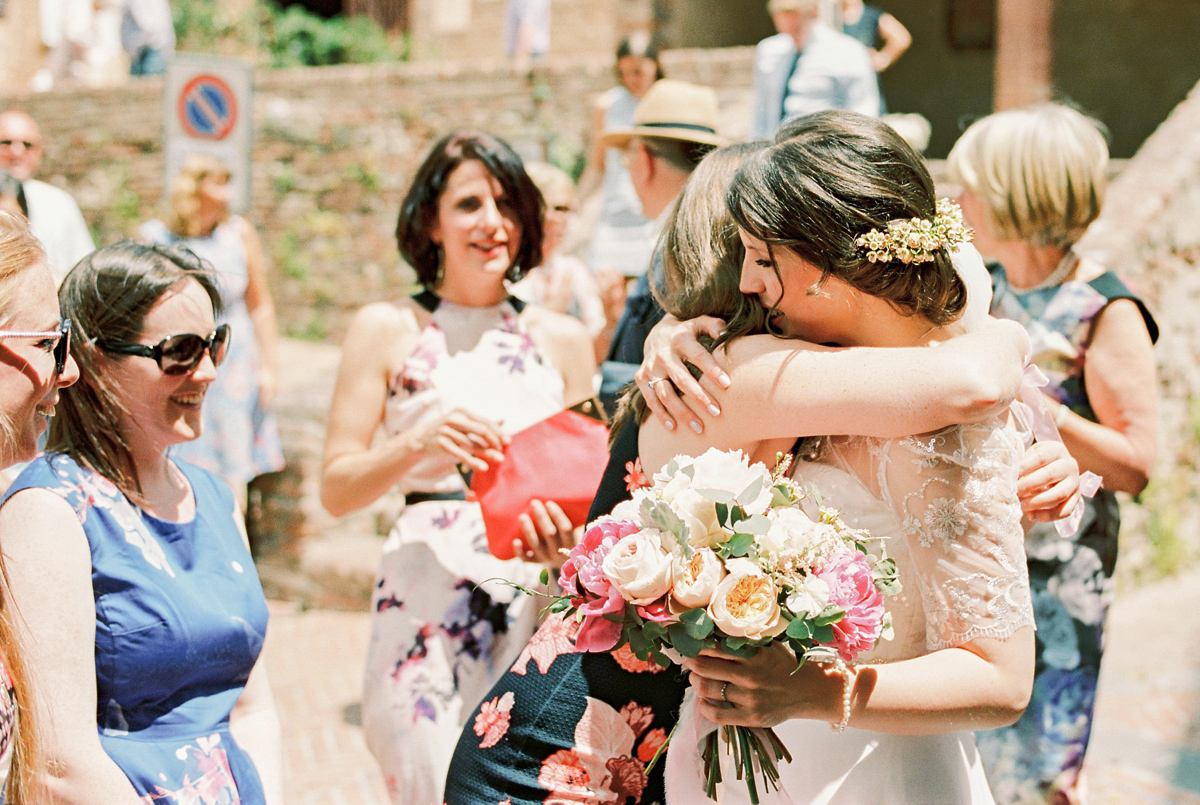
{"type": "Point", "coordinates": [185, 192]}
{"type": "Point", "coordinates": [1040, 172]}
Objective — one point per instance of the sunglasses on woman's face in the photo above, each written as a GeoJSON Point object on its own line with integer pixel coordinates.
{"type": "Point", "coordinates": [62, 344]}
{"type": "Point", "coordinates": [176, 354]}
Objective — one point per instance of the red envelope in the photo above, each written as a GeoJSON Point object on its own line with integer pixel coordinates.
{"type": "Point", "coordinates": [561, 458]}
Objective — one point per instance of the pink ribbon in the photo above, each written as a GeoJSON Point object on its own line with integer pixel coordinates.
{"type": "Point", "coordinates": [1031, 405]}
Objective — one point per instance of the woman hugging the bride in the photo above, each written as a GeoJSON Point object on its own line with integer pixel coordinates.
{"type": "Point", "coordinates": [855, 358]}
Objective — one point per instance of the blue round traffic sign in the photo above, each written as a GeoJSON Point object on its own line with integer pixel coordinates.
{"type": "Point", "coordinates": [207, 108]}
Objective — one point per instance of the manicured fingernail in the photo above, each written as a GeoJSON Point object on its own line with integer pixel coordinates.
{"type": "Point", "coordinates": [669, 424]}
{"type": "Point", "coordinates": [714, 410]}
{"type": "Point", "coordinates": [724, 380]}
{"type": "Point", "coordinates": [696, 426]}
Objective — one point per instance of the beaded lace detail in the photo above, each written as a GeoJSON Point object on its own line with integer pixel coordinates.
{"type": "Point", "coordinates": [946, 506]}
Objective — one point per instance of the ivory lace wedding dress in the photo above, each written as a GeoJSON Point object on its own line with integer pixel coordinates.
{"type": "Point", "coordinates": [946, 506]}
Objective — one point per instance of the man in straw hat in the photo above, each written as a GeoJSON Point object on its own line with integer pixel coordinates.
{"type": "Point", "coordinates": [808, 67]}
{"type": "Point", "coordinates": [674, 126]}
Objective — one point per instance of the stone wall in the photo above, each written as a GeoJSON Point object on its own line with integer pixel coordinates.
{"type": "Point", "coordinates": [1148, 234]}
{"type": "Point", "coordinates": [334, 148]}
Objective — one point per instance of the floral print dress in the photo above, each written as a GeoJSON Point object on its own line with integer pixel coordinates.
{"type": "Point", "coordinates": [1038, 759]}
{"type": "Point", "coordinates": [180, 622]}
{"type": "Point", "coordinates": [567, 726]}
{"type": "Point", "coordinates": [445, 624]}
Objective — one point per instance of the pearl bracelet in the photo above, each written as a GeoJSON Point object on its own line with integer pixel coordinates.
{"type": "Point", "coordinates": [849, 674]}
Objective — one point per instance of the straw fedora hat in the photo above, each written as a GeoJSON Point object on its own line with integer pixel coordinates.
{"type": "Point", "coordinates": [674, 110]}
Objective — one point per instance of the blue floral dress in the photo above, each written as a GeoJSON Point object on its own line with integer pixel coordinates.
{"type": "Point", "coordinates": [445, 624]}
{"type": "Point", "coordinates": [1039, 758]}
{"type": "Point", "coordinates": [180, 621]}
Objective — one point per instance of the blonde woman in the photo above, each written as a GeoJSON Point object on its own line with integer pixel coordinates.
{"type": "Point", "coordinates": [240, 440]}
{"type": "Point", "coordinates": [1033, 180]}
{"type": "Point", "coordinates": [34, 365]}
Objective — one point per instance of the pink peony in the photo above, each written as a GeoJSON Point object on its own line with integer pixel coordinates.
{"type": "Point", "coordinates": [593, 595]}
{"type": "Point", "coordinates": [852, 588]}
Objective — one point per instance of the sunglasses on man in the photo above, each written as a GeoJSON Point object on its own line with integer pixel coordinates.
{"type": "Point", "coordinates": [176, 354]}
{"type": "Point", "coordinates": [62, 344]}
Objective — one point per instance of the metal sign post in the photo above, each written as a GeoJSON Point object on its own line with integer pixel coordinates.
{"type": "Point", "coordinates": [208, 108]}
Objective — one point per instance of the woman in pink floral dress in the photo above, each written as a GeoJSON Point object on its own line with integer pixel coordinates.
{"type": "Point", "coordinates": [449, 374]}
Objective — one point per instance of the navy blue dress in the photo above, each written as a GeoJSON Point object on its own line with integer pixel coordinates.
{"type": "Point", "coordinates": [180, 621]}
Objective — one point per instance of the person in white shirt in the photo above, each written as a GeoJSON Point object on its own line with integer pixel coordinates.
{"type": "Point", "coordinates": [54, 216]}
{"type": "Point", "coordinates": [809, 67]}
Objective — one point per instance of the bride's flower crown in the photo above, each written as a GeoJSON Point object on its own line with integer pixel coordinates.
{"type": "Point", "coordinates": [916, 239]}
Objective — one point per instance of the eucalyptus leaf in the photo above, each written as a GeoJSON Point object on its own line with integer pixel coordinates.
{"type": "Point", "coordinates": [716, 495]}
{"type": "Point", "coordinates": [830, 614]}
{"type": "Point", "coordinates": [757, 524]}
{"type": "Point", "coordinates": [751, 492]}
{"type": "Point", "coordinates": [740, 544]}
{"type": "Point", "coordinates": [697, 622]}
{"type": "Point", "coordinates": [823, 634]}
{"type": "Point", "coordinates": [799, 629]}
{"type": "Point", "coordinates": [683, 642]}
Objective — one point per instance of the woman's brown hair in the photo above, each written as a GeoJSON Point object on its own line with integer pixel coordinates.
{"type": "Point", "coordinates": [107, 295]}
{"type": "Point", "coordinates": [702, 262]}
{"type": "Point", "coordinates": [832, 177]}
{"type": "Point", "coordinates": [419, 210]}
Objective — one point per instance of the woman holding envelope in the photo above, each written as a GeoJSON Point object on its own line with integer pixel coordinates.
{"type": "Point", "coordinates": [450, 374]}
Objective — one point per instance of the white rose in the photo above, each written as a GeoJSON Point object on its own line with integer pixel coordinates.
{"type": "Point", "coordinates": [697, 578]}
{"type": "Point", "coordinates": [639, 567]}
{"type": "Point", "coordinates": [810, 600]}
{"type": "Point", "coordinates": [790, 528]}
{"type": "Point", "coordinates": [699, 514]}
{"type": "Point", "coordinates": [731, 471]}
{"type": "Point", "coordinates": [746, 603]}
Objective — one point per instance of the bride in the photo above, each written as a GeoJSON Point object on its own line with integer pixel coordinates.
{"type": "Point", "coordinates": [946, 502]}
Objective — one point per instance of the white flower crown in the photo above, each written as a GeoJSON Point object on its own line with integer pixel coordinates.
{"type": "Point", "coordinates": [916, 239]}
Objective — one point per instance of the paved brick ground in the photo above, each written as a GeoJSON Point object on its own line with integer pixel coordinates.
{"type": "Point", "coordinates": [1146, 749]}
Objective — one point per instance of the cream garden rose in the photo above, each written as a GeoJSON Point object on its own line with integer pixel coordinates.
{"type": "Point", "coordinates": [696, 578]}
{"type": "Point", "coordinates": [746, 602]}
{"type": "Point", "coordinates": [639, 567]}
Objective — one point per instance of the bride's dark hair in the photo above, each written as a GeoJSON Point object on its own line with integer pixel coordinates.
{"type": "Point", "coordinates": [831, 177]}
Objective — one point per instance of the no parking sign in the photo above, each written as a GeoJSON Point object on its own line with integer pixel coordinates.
{"type": "Point", "coordinates": [208, 106]}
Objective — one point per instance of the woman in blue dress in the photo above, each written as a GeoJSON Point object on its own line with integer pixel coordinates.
{"type": "Point", "coordinates": [1033, 181]}
{"type": "Point", "coordinates": [142, 617]}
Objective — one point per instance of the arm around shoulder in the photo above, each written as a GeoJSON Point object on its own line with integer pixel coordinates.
{"type": "Point", "coordinates": [49, 569]}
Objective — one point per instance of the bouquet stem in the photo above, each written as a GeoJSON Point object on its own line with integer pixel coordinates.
{"type": "Point", "coordinates": [751, 757]}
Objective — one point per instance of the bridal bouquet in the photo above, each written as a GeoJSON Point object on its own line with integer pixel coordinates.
{"type": "Point", "coordinates": [718, 553]}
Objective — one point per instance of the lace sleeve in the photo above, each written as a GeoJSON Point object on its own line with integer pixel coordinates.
{"type": "Point", "coordinates": [955, 493]}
